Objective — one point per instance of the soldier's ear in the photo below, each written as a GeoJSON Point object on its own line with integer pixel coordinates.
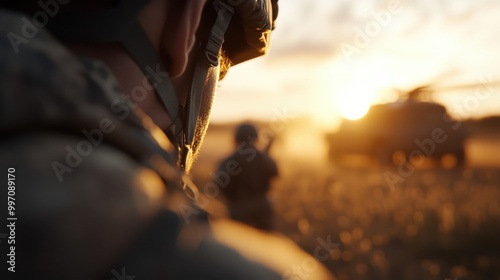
{"type": "Point", "coordinates": [179, 33]}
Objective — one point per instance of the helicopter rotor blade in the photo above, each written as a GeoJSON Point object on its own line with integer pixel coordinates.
{"type": "Point", "coordinates": [467, 86]}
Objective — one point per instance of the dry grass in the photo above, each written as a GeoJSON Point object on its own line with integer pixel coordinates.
{"type": "Point", "coordinates": [437, 224]}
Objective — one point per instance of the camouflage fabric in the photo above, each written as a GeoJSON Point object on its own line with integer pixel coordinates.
{"type": "Point", "coordinates": [94, 187]}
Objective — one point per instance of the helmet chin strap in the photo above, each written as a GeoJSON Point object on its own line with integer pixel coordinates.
{"type": "Point", "coordinates": [120, 25]}
{"type": "Point", "coordinates": [208, 59]}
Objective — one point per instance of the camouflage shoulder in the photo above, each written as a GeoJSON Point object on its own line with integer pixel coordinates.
{"type": "Point", "coordinates": [78, 210]}
{"type": "Point", "coordinates": [35, 69]}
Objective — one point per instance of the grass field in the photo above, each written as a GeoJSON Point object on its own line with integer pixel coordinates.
{"type": "Point", "coordinates": [436, 224]}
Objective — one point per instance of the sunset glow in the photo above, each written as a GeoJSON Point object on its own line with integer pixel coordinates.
{"type": "Point", "coordinates": [384, 51]}
{"type": "Point", "coordinates": [353, 107]}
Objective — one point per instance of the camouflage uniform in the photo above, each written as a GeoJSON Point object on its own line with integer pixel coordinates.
{"type": "Point", "coordinates": [91, 179]}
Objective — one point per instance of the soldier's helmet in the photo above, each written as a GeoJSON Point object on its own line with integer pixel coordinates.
{"type": "Point", "coordinates": [246, 133]}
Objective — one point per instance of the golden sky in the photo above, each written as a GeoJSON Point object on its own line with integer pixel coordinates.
{"type": "Point", "coordinates": [336, 57]}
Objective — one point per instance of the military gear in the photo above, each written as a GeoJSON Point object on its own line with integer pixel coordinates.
{"type": "Point", "coordinates": [96, 192]}
{"type": "Point", "coordinates": [254, 19]}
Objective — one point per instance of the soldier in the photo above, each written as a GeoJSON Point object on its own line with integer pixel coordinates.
{"type": "Point", "coordinates": [100, 102]}
{"type": "Point", "coordinates": [247, 188]}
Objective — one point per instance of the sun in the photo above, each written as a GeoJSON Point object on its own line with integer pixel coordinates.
{"type": "Point", "coordinates": [353, 109]}
{"type": "Point", "coordinates": [353, 105]}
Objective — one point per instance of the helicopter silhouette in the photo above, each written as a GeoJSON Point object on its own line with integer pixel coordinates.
{"type": "Point", "coordinates": [412, 128]}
